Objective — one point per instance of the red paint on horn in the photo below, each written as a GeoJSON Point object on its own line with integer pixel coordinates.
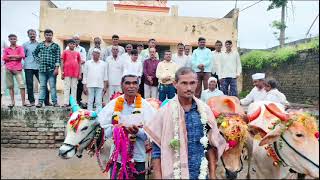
{"type": "Point", "coordinates": [254, 115]}
{"type": "Point", "coordinates": [282, 116]}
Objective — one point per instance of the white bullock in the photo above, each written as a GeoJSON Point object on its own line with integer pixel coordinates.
{"type": "Point", "coordinates": [282, 141]}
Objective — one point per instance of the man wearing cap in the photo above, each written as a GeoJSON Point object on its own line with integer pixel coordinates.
{"type": "Point", "coordinates": [258, 93]}
{"type": "Point", "coordinates": [211, 91]}
{"type": "Point", "coordinates": [95, 80]}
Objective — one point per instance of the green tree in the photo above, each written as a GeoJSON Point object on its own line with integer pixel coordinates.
{"type": "Point", "coordinates": [280, 25]}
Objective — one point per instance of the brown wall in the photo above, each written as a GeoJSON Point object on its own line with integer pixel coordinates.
{"type": "Point", "coordinates": [33, 128]}
{"type": "Point", "coordinates": [298, 78]}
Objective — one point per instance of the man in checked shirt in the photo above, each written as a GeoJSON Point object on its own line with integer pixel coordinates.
{"type": "Point", "coordinates": [47, 54]}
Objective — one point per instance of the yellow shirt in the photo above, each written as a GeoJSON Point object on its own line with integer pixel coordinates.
{"type": "Point", "coordinates": [165, 69]}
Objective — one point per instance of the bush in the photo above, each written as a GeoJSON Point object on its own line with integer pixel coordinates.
{"type": "Point", "coordinates": [243, 94]}
{"type": "Point", "coordinates": [258, 59]}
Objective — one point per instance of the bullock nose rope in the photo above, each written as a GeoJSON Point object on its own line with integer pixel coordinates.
{"type": "Point", "coordinates": [232, 174]}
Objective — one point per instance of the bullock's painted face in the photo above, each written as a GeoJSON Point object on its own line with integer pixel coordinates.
{"type": "Point", "coordinates": [234, 129]}
{"type": "Point", "coordinates": [79, 126]}
{"type": "Point", "coordinates": [300, 132]}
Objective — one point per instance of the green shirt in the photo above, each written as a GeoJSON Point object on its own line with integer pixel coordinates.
{"type": "Point", "coordinates": [145, 54]}
{"type": "Point", "coordinates": [47, 57]}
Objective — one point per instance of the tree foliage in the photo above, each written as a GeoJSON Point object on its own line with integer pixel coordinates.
{"type": "Point", "coordinates": [277, 4]}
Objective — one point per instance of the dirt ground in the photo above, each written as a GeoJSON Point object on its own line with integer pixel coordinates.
{"type": "Point", "coordinates": [19, 163]}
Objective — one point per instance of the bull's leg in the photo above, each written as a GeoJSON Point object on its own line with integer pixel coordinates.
{"type": "Point", "coordinates": [249, 147]}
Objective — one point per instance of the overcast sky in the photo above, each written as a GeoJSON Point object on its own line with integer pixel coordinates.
{"type": "Point", "coordinates": [254, 22]}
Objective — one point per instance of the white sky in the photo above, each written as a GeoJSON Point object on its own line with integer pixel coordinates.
{"type": "Point", "coordinates": [254, 23]}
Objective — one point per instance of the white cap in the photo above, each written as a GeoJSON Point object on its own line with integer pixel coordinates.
{"type": "Point", "coordinates": [258, 76]}
{"type": "Point", "coordinates": [96, 50]}
{"type": "Point", "coordinates": [212, 79]}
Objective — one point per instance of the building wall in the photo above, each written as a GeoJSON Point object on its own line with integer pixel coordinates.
{"type": "Point", "coordinates": [298, 78]}
{"type": "Point", "coordinates": [138, 27]}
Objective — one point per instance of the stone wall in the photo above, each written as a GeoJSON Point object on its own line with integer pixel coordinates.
{"type": "Point", "coordinates": [33, 128]}
{"type": "Point", "coordinates": [298, 78]}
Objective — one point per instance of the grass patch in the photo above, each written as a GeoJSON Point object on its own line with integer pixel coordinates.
{"type": "Point", "coordinates": [258, 59]}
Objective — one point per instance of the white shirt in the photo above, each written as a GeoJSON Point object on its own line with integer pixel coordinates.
{"type": "Point", "coordinates": [95, 73]}
{"type": "Point", "coordinates": [230, 65]}
{"type": "Point", "coordinates": [147, 113]}
{"type": "Point", "coordinates": [108, 51]}
{"type": "Point", "coordinates": [83, 55]}
{"type": "Point", "coordinates": [216, 61]}
{"type": "Point", "coordinates": [115, 70]}
{"type": "Point", "coordinates": [254, 96]}
{"type": "Point", "coordinates": [102, 51]}
{"type": "Point", "coordinates": [207, 94]}
{"type": "Point", "coordinates": [275, 95]}
{"type": "Point", "coordinates": [125, 57]}
{"type": "Point", "coordinates": [181, 61]}
{"type": "Point", "coordinates": [134, 68]}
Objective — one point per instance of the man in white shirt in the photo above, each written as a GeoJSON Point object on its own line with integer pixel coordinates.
{"type": "Point", "coordinates": [83, 55]}
{"type": "Point", "coordinates": [126, 57]}
{"type": "Point", "coordinates": [133, 66]}
{"type": "Point", "coordinates": [258, 93]}
{"type": "Point", "coordinates": [217, 59]}
{"type": "Point", "coordinates": [95, 80]}
{"type": "Point", "coordinates": [188, 50]}
{"type": "Point", "coordinates": [115, 71]}
{"type": "Point", "coordinates": [180, 58]}
{"type": "Point", "coordinates": [211, 91]}
{"type": "Point", "coordinates": [97, 44]}
{"type": "Point", "coordinates": [229, 70]}
{"type": "Point", "coordinates": [115, 42]}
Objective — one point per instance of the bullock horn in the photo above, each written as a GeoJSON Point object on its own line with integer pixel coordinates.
{"type": "Point", "coordinates": [215, 113]}
{"type": "Point", "coordinates": [75, 107]}
{"type": "Point", "coordinates": [254, 115]}
{"type": "Point", "coordinates": [280, 115]}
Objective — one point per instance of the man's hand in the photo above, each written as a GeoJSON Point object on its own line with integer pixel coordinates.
{"type": "Point", "coordinates": [133, 129]}
{"type": "Point", "coordinates": [56, 71]}
{"type": "Point", "coordinates": [104, 91]}
{"type": "Point", "coordinates": [62, 75]}
{"type": "Point", "coordinates": [85, 90]}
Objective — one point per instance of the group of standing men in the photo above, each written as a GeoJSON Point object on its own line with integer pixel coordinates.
{"type": "Point", "coordinates": [100, 70]}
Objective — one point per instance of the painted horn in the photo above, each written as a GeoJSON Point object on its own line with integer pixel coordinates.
{"type": "Point", "coordinates": [75, 107]}
{"type": "Point", "coordinates": [254, 115]}
{"type": "Point", "coordinates": [215, 113]}
{"type": "Point", "coordinates": [282, 116]}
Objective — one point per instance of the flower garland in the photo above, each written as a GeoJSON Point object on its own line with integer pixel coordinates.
{"type": "Point", "coordinates": [82, 114]}
{"type": "Point", "coordinates": [175, 142]}
{"type": "Point", "coordinates": [124, 142]}
{"type": "Point", "coordinates": [233, 128]}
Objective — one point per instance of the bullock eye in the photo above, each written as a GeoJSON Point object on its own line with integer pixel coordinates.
{"type": "Point", "coordinates": [299, 135]}
{"type": "Point", "coordinates": [84, 128]}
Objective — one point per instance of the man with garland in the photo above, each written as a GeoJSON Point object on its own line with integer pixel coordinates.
{"type": "Point", "coordinates": [186, 140]}
{"type": "Point", "coordinates": [128, 152]}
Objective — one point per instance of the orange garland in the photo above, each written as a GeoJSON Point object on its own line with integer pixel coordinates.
{"type": "Point", "coordinates": [118, 108]}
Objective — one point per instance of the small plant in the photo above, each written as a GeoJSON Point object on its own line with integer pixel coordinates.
{"type": "Point", "coordinates": [243, 94]}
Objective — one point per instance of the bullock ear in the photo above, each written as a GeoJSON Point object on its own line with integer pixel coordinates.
{"type": "Point", "coordinates": [254, 130]}
{"type": "Point", "coordinates": [272, 136]}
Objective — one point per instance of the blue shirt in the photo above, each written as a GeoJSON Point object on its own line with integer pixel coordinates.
{"type": "Point", "coordinates": [195, 149]}
{"type": "Point", "coordinates": [29, 61]}
{"type": "Point", "coordinates": [202, 56]}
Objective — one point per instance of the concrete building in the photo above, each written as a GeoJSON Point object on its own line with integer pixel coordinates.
{"type": "Point", "coordinates": [136, 22]}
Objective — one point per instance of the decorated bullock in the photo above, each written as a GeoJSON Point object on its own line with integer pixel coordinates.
{"type": "Point", "coordinates": [232, 123]}
{"type": "Point", "coordinates": [83, 131]}
{"type": "Point", "coordinates": [283, 142]}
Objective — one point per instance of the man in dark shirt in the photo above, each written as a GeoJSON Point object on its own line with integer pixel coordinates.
{"type": "Point", "coordinates": [149, 71]}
